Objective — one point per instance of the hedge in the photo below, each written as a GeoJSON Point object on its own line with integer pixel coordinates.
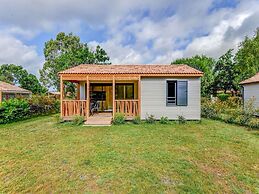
{"type": "Point", "coordinates": [19, 109]}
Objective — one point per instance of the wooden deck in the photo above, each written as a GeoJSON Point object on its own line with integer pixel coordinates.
{"type": "Point", "coordinates": [99, 119]}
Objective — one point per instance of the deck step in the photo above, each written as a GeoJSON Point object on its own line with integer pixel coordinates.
{"type": "Point", "coordinates": [99, 120]}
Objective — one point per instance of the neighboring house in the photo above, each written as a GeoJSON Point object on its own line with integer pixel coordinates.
{"type": "Point", "coordinates": [8, 91]}
{"type": "Point", "coordinates": [251, 89]}
{"type": "Point", "coordinates": [159, 90]}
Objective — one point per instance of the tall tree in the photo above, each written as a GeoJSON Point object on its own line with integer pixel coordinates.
{"type": "Point", "coordinates": [204, 64]}
{"type": "Point", "coordinates": [247, 56]}
{"type": "Point", "coordinates": [17, 75]}
{"type": "Point", "coordinates": [226, 73]}
{"type": "Point", "coordinates": [64, 52]}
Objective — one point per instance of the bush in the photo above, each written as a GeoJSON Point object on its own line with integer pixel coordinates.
{"type": "Point", "coordinates": [136, 120]}
{"type": "Point", "coordinates": [78, 120]}
{"type": "Point", "coordinates": [181, 120]}
{"type": "Point", "coordinates": [18, 109]}
{"type": "Point", "coordinates": [164, 120]}
{"type": "Point", "coordinates": [230, 111]}
{"type": "Point", "coordinates": [14, 110]}
{"type": "Point", "coordinates": [150, 119]}
{"type": "Point", "coordinates": [41, 105]}
{"type": "Point", "coordinates": [223, 97]}
{"type": "Point", "coordinates": [253, 123]}
{"type": "Point", "coordinates": [119, 119]}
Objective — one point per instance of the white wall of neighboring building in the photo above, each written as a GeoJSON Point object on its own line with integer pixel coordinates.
{"type": "Point", "coordinates": [251, 91]}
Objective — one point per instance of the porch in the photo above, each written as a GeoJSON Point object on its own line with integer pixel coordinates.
{"type": "Point", "coordinates": [111, 94]}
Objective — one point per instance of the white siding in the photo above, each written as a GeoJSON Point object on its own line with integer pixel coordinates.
{"type": "Point", "coordinates": [153, 99]}
{"type": "Point", "coordinates": [252, 91]}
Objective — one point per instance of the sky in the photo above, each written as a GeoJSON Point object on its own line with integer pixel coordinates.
{"type": "Point", "coordinates": [131, 32]}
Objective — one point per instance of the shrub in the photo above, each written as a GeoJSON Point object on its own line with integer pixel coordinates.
{"type": "Point", "coordinates": [253, 123]}
{"type": "Point", "coordinates": [164, 120]}
{"type": "Point", "coordinates": [150, 119]}
{"type": "Point", "coordinates": [14, 110]}
{"type": "Point", "coordinates": [78, 120]}
{"type": "Point", "coordinates": [136, 120]}
{"type": "Point", "coordinates": [40, 104]}
{"type": "Point", "coordinates": [119, 119]}
{"type": "Point", "coordinates": [223, 97]}
{"type": "Point", "coordinates": [59, 119]}
{"type": "Point", "coordinates": [181, 120]}
{"type": "Point", "coordinates": [18, 109]}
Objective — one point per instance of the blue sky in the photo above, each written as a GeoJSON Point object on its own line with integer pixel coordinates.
{"type": "Point", "coordinates": [132, 32]}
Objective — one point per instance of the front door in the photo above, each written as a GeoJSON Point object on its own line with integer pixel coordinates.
{"type": "Point", "coordinates": [102, 93]}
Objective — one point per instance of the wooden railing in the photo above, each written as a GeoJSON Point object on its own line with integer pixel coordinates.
{"type": "Point", "coordinates": [74, 107]}
{"type": "Point", "coordinates": [128, 107]}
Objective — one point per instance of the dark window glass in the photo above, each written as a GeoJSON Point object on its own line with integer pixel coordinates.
{"type": "Point", "coordinates": [171, 93]}
{"type": "Point", "coordinates": [124, 91]}
{"type": "Point", "coordinates": [182, 87]}
{"type": "Point", "coordinates": [177, 93]}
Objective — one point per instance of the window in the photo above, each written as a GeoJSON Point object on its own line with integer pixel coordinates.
{"type": "Point", "coordinates": [124, 91]}
{"type": "Point", "coordinates": [176, 93]}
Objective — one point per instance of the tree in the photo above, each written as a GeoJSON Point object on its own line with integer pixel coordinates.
{"type": "Point", "coordinates": [204, 64]}
{"type": "Point", "coordinates": [17, 75]}
{"type": "Point", "coordinates": [247, 57]}
{"type": "Point", "coordinates": [64, 52]}
{"type": "Point", "coordinates": [225, 73]}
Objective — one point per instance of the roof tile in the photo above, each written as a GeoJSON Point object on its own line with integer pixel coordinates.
{"type": "Point", "coordinates": [6, 87]}
{"type": "Point", "coordinates": [253, 79]}
{"type": "Point", "coordinates": [131, 69]}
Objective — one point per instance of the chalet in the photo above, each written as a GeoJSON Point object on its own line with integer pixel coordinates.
{"type": "Point", "coordinates": [159, 90]}
{"type": "Point", "coordinates": [8, 91]}
{"type": "Point", "coordinates": [251, 89]}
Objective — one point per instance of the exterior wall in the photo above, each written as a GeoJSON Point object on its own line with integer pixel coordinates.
{"type": "Point", "coordinates": [252, 91]}
{"type": "Point", "coordinates": [153, 99]}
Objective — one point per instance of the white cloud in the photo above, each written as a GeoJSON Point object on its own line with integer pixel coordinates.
{"type": "Point", "coordinates": [13, 51]}
{"type": "Point", "coordinates": [158, 35]}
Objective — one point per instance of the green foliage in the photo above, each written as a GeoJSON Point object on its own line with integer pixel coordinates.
{"type": "Point", "coordinates": [223, 96]}
{"type": "Point", "coordinates": [164, 120]}
{"type": "Point", "coordinates": [150, 119]}
{"type": "Point", "coordinates": [17, 75]}
{"type": "Point", "coordinates": [19, 109]}
{"type": "Point", "coordinates": [225, 73]}
{"type": "Point", "coordinates": [230, 111]}
{"type": "Point", "coordinates": [13, 110]}
{"type": "Point", "coordinates": [78, 120]}
{"type": "Point", "coordinates": [41, 104]}
{"type": "Point", "coordinates": [181, 119]}
{"type": "Point", "coordinates": [204, 64]}
{"type": "Point", "coordinates": [119, 119]}
{"type": "Point", "coordinates": [247, 57]}
{"type": "Point", "coordinates": [64, 52]}
{"type": "Point", "coordinates": [136, 120]}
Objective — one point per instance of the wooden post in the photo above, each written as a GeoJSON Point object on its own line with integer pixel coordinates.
{"type": "Point", "coordinates": [1, 96]}
{"type": "Point", "coordinates": [87, 97]}
{"type": "Point", "coordinates": [78, 91]}
{"type": "Point", "coordinates": [113, 97]}
{"type": "Point", "coordinates": [139, 96]}
{"type": "Point", "coordinates": [61, 95]}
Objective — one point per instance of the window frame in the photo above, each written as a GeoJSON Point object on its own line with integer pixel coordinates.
{"type": "Point", "coordinates": [171, 104]}
{"type": "Point", "coordinates": [124, 91]}
{"type": "Point", "coordinates": [176, 92]}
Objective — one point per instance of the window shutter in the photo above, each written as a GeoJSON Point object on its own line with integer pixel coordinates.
{"type": "Point", "coordinates": [182, 93]}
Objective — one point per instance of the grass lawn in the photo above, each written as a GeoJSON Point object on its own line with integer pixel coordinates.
{"type": "Point", "coordinates": [39, 155]}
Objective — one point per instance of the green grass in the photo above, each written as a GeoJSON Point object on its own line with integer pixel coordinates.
{"type": "Point", "coordinates": [39, 155]}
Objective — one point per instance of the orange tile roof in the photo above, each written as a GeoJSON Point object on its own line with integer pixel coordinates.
{"type": "Point", "coordinates": [253, 79]}
{"type": "Point", "coordinates": [6, 87]}
{"type": "Point", "coordinates": [132, 69]}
